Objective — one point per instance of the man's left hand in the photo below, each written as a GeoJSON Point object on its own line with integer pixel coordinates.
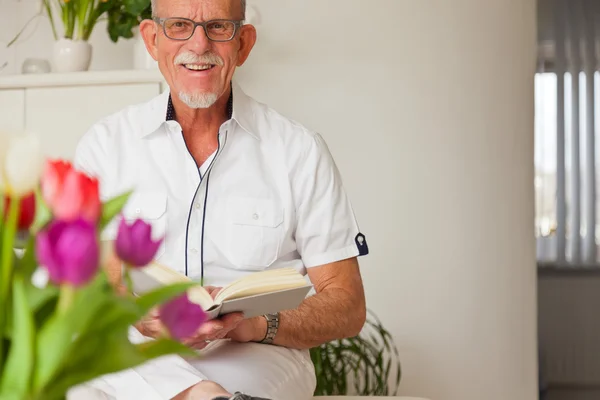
{"type": "Point", "coordinates": [246, 330]}
{"type": "Point", "coordinates": [249, 330]}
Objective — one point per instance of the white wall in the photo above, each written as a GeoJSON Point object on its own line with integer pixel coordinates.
{"type": "Point", "coordinates": [428, 108]}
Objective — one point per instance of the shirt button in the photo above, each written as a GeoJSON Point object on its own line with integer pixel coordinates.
{"type": "Point", "coordinates": [255, 216]}
{"type": "Point", "coordinates": [197, 206]}
{"type": "Point", "coordinates": [194, 251]}
{"type": "Point", "coordinates": [137, 210]}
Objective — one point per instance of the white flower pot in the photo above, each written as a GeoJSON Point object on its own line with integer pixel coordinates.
{"type": "Point", "coordinates": [141, 58]}
{"type": "Point", "coordinates": [71, 55]}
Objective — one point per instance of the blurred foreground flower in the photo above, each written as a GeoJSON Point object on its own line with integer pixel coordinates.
{"type": "Point", "coordinates": [69, 251]}
{"type": "Point", "coordinates": [181, 317]}
{"type": "Point", "coordinates": [134, 245]}
{"type": "Point", "coordinates": [70, 194]}
{"type": "Point", "coordinates": [21, 163]}
{"type": "Point", "coordinates": [26, 211]}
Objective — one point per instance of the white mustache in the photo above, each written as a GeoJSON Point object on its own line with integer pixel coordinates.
{"type": "Point", "coordinates": [193, 58]}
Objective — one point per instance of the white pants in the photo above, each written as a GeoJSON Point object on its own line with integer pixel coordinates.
{"type": "Point", "coordinates": [256, 369]}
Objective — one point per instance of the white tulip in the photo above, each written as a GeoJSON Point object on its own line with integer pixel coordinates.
{"type": "Point", "coordinates": [21, 163]}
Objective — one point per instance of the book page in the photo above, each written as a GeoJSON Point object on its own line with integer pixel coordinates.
{"type": "Point", "coordinates": [262, 282]}
{"type": "Point", "coordinates": [156, 275]}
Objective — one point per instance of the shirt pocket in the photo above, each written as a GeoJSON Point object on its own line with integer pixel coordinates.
{"type": "Point", "coordinates": [254, 232]}
{"type": "Point", "coordinates": [151, 207]}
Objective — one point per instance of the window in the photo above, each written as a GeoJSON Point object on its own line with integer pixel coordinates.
{"type": "Point", "coordinates": [578, 248]}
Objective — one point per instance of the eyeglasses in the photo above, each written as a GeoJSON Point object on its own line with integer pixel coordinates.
{"type": "Point", "coordinates": [217, 30]}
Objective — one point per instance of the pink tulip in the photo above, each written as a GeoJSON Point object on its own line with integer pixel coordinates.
{"type": "Point", "coordinates": [134, 245]}
{"type": "Point", "coordinates": [70, 194]}
{"type": "Point", "coordinates": [69, 251]}
{"type": "Point", "coordinates": [181, 317]}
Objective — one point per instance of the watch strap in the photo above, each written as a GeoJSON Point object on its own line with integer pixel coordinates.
{"type": "Point", "coordinates": [272, 328]}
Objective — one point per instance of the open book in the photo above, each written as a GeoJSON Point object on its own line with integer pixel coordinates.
{"type": "Point", "coordinates": [256, 294]}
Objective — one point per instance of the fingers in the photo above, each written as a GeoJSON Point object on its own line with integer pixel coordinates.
{"type": "Point", "coordinates": [215, 329]}
{"type": "Point", "coordinates": [150, 325]}
{"type": "Point", "coordinates": [210, 328]}
{"type": "Point", "coordinates": [227, 323]}
{"type": "Point", "coordinates": [232, 319]}
{"type": "Point", "coordinates": [213, 290]}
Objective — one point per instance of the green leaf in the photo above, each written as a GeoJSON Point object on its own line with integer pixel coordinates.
{"type": "Point", "coordinates": [112, 208]}
{"type": "Point", "coordinates": [43, 214]}
{"type": "Point", "coordinates": [364, 362]}
{"type": "Point", "coordinates": [19, 364]}
{"type": "Point", "coordinates": [119, 354]}
{"type": "Point", "coordinates": [119, 312]}
{"type": "Point", "coordinates": [136, 7]}
{"type": "Point", "coordinates": [56, 336]}
{"type": "Point", "coordinates": [28, 264]}
{"type": "Point", "coordinates": [37, 298]}
{"type": "Point", "coordinates": [163, 294]}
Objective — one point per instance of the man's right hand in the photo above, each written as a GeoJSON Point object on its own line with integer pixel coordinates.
{"type": "Point", "coordinates": [150, 325]}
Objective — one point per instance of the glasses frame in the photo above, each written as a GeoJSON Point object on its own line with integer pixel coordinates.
{"type": "Point", "coordinates": [237, 24]}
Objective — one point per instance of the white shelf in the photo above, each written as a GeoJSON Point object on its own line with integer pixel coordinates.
{"type": "Point", "coordinates": [88, 78]}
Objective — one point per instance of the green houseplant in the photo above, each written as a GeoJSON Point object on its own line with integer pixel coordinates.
{"type": "Point", "coordinates": [364, 365]}
{"type": "Point", "coordinates": [125, 15]}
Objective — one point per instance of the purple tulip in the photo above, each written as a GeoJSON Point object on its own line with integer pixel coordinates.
{"type": "Point", "coordinates": [135, 246]}
{"type": "Point", "coordinates": [182, 317]}
{"type": "Point", "coordinates": [69, 251]}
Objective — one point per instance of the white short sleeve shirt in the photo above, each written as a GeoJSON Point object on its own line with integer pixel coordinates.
{"type": "Point", "coordinates": [270, 197]}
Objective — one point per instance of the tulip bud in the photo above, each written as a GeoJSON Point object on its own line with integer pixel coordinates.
{"type": "Point", "coordinates": [69, 251]}
{"type": "Point", "coordinates": [21, 162]}
{"type": "Point", "coordinates": [69, 193]}
{"type": "Point", "coordinates": [134, 245]}
{"type": "Point", "coordinates": [26, 211]}
{"type": "Point", "coordinates": [181, 317]}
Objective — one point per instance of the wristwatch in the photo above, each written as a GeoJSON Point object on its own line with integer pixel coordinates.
{"type": "Point", "coordinates": [272, 327]}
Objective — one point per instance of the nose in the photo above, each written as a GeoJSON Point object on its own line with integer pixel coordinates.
{"type": "Point", "coordinates": [199, 41]}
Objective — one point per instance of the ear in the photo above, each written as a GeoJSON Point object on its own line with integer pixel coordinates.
{"type": "Point", "coordinates": [148, 30]}
{"type": "Point", "coordinates": [247, 41]}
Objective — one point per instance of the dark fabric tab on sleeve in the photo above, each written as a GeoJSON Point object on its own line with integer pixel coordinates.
{"type": "Point", "coordinates": [361, 244]}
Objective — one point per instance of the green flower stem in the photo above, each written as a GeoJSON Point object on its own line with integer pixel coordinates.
{"type": "Point", "coordinates": [48, 8]}
{"type": "Point", "coordinates": [6, 265]}
{"type": "Point", "coordinates": [128, 281]}
{"type": "Point", "coordinates": [67, 295]}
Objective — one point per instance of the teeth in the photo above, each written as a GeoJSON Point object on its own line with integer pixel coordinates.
{"type": "Point", "coordinates": [197, 67]}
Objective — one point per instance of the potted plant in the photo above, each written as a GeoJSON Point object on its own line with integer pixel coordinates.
{"type": "Point", "coordinates": [72, 51]}
{"type": "Point", "coordinates": [365, 365]}
{"type": "Point", "coordinates": [124, 17]}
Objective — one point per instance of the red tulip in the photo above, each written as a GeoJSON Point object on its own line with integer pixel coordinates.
{"type": "Point", "coordinates": [26, 211]}
{"type": "Point", "coordinates": [70, 194]}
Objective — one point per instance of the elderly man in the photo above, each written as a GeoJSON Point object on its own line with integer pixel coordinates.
{"type": "Point", "coordinates": [235, 188]}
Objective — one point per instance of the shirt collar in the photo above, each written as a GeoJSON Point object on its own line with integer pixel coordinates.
{"type": "Point", "coordinates": [161, 111]}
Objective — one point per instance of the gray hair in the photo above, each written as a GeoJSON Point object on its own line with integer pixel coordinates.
{"type": "Point", "coordinates": [153, 3]}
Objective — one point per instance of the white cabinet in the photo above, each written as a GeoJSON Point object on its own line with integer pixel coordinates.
{"type": "Point", "coordinates": [60, 108]}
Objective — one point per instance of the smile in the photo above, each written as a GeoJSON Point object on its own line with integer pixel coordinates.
{"type": "Point", "coordinates": [199, 67]}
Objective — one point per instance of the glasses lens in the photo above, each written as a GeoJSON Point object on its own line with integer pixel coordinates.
{"type": "Point", "coordinates": [178, 28]}
{"type": "Point", "coordinates": [220, 30]}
